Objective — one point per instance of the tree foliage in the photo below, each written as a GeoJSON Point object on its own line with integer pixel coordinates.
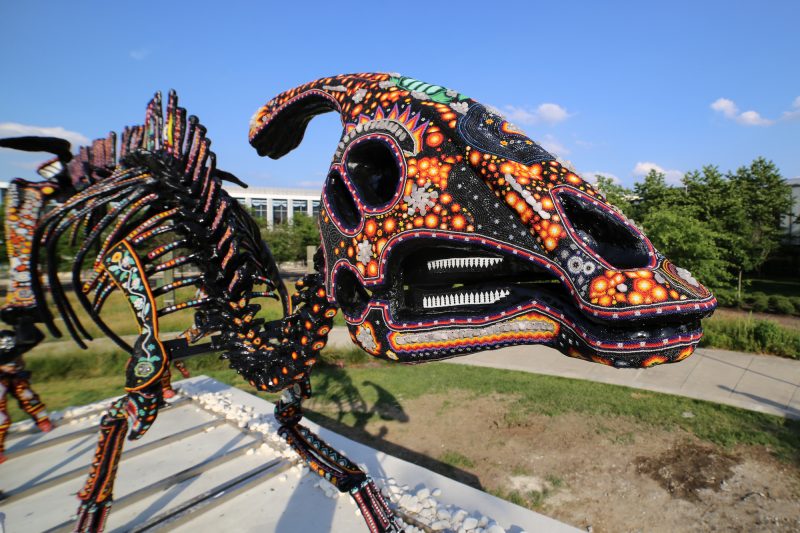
{"type": "Point", "coordinates": [715, 225]}
{"type": "Point", "coordinates": [288, 241]}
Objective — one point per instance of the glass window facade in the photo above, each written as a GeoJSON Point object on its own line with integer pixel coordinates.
{"type": "Point", "coordinates": [300, 206]}
{"type": "Point", "coordinates": [315, 208]}
{"type": "Point", "coordinates": [280, 211]}
{"type": "Point", "coordinates": [260, 207]}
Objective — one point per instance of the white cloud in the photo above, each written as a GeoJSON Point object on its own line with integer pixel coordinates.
{"type": "Point", "coordinates": [730, 110]}
{"type": "Point", "coordinates": [752, 118]}
{"type": "Point", "coordinates": [548, 112]}
{"type": "Point", "coordinates": [794, 113]}
{"type": "Point", "coordinates": [14, 129]}
{"type": "Point", "coordinates": [726, 107]}
{"type": "Point", "coordinates": [554, 146]}
{"type": "Point", "coordinates": [140, 54]}
{"type": "Point", "coordinates": [672, 177]}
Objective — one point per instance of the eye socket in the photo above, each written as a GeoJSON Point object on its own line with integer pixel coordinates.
{"type": "Point", "coordinates": [621, 246]}
{"type": "Point", "coordinates": [342, 203]}
{"type": "Point", "coordinates": [373, 168]}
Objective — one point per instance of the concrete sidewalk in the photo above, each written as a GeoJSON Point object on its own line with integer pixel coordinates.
{"type": "Point", "coordinates": [760, 383]}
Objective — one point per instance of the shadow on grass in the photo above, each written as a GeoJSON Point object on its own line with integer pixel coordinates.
{"type": "Point", "coordinates": [336, 391]}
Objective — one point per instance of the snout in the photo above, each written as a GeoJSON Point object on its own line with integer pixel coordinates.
{"type": "Point", "coordinates": [615, 271]}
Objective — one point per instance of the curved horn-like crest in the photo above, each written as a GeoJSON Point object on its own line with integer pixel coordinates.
{"type": "Point", "coordinates": [278, 127]}
{"type": "Point", "coordinates": [54, 145]}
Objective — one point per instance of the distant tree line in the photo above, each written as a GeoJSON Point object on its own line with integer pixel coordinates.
{"type": "Point", "coordinates": [718, 226]}
{"type": "Point", "coordinates": [288, 241]}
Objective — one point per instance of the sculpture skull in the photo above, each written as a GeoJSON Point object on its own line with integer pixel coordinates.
{"type": "Point", "coordinates": [447, 231]}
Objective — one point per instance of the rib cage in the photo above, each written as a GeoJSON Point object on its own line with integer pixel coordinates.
{"type": "Point", "coordinates": [163, 194]}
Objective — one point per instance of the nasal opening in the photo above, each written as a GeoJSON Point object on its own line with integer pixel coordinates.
{"type": "Point", "coordinates": [350, 294]}
{"type": "Point", "coordinates": [342, 202]}
{"type": "Point", "coordinates": [621, 245]}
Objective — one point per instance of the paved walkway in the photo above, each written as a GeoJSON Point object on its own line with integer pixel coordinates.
{"type": "Point", "coordinates": [756, 382]}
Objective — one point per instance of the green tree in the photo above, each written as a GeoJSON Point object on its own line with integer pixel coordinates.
{"type": "Point", "coordinates": [308, 231]}
{"type": "Point", "coordinates": [765, 197]}
{"type": "Point", "coordinates": [688, 242]}
{"type": "Point", "coordinates": [288, 241]}
{"type": "Point", "coordinates": [615, 193]}
{"type": "Point", "coordinates": [654, 193]}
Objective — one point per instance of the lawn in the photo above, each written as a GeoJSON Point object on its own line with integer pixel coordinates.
{"type": "Point", "coordinates": [73, 378]}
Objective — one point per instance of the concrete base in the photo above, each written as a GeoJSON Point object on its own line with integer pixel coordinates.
{"type": "Point", "coordinates": [213, 462]}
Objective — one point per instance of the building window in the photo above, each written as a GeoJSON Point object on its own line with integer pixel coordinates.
{"type": "Point", "coordinates": [260, 208]}
{"type": "Point", "coordinates": [315, 208]}
{"type": "Point", "coordinates": [280, 211]}
{"type": "Point", "coordinates": [241, 201]}
{"type": "Point", "coordinates": [300, 206]}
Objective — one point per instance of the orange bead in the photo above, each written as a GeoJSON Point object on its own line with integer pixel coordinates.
{"type": "Point", "coordinates": [643, 285]}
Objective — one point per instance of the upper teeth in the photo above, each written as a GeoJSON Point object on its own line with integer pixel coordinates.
{"type": "Point", "coordinates": [463, 262]}
{"type": "Point", "coordinates": [464, 298]}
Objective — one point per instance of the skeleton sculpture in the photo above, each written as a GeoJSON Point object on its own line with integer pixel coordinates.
{"type": "Point", "coordinates": [25, 203]}
{"type": "Point", "coordinates": [445, 231]}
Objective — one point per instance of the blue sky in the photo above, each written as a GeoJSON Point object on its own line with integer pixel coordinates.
{"type": "Point", "coordinates": [614, 88]}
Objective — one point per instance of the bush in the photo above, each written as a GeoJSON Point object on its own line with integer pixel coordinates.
{"type": "Point", "coordinates": [759, 302]}
{"type": "Point", "coordinates": [781, 304]}
{"type": "Point", "coordinates": [726, 298]}
{"type": "Point", "coordinates": [748, 335]}
{"type": "Point", "coordinates": [796, 303]}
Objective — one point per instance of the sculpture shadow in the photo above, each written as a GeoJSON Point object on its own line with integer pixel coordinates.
{"type": "Point", "coordinates": [352, 413]}
{"type": "Point", "coordinates": [174, 491]}
{"type": "Point", "coordinates": [788, 410]}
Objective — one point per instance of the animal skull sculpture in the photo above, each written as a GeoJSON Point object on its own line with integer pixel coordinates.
{"type": "Point", "coordinates": [446, 230]}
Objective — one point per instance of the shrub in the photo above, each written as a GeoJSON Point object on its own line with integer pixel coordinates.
{"type": "Point", "coordinates": [726, 297]}
{"type": "Point", "coordinates": [781, 304]}
{"type": "Point", "coordinates": [748, 335]}
{"type": "Point", "coordinates": [759, 302]}
{"type": "Point", "coordinates": [796, 302]}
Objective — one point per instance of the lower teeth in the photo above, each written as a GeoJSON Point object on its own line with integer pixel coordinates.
{"type": "Point", "coordinates": [464, 298]}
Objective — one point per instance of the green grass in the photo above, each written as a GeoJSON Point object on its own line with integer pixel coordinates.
{"type": "Point", "coordinates": [368, 392]}
{"type": "Point", "coordinates": [119, 317]}
{"type": "Point", "coordinates": [456, 459]}
{"type": "Point", "coordinates": [552, 396]}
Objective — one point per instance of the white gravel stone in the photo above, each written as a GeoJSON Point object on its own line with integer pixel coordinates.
{"type": "Point", "coordinates": [441, 525]}
{"type": "Point", "coordinates": [436, 493]}
{"type": "Point", "coordinates": [495, 529]}
{"type": "Point", "coordinates": [423, 493]}
{"type": "Point", "coordinates": [470, 523]}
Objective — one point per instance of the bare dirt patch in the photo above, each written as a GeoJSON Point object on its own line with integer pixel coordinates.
{"type": "Point", "coordinates": [610, 474]}
{"type": "Point", "coordinates": [685, 471]}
